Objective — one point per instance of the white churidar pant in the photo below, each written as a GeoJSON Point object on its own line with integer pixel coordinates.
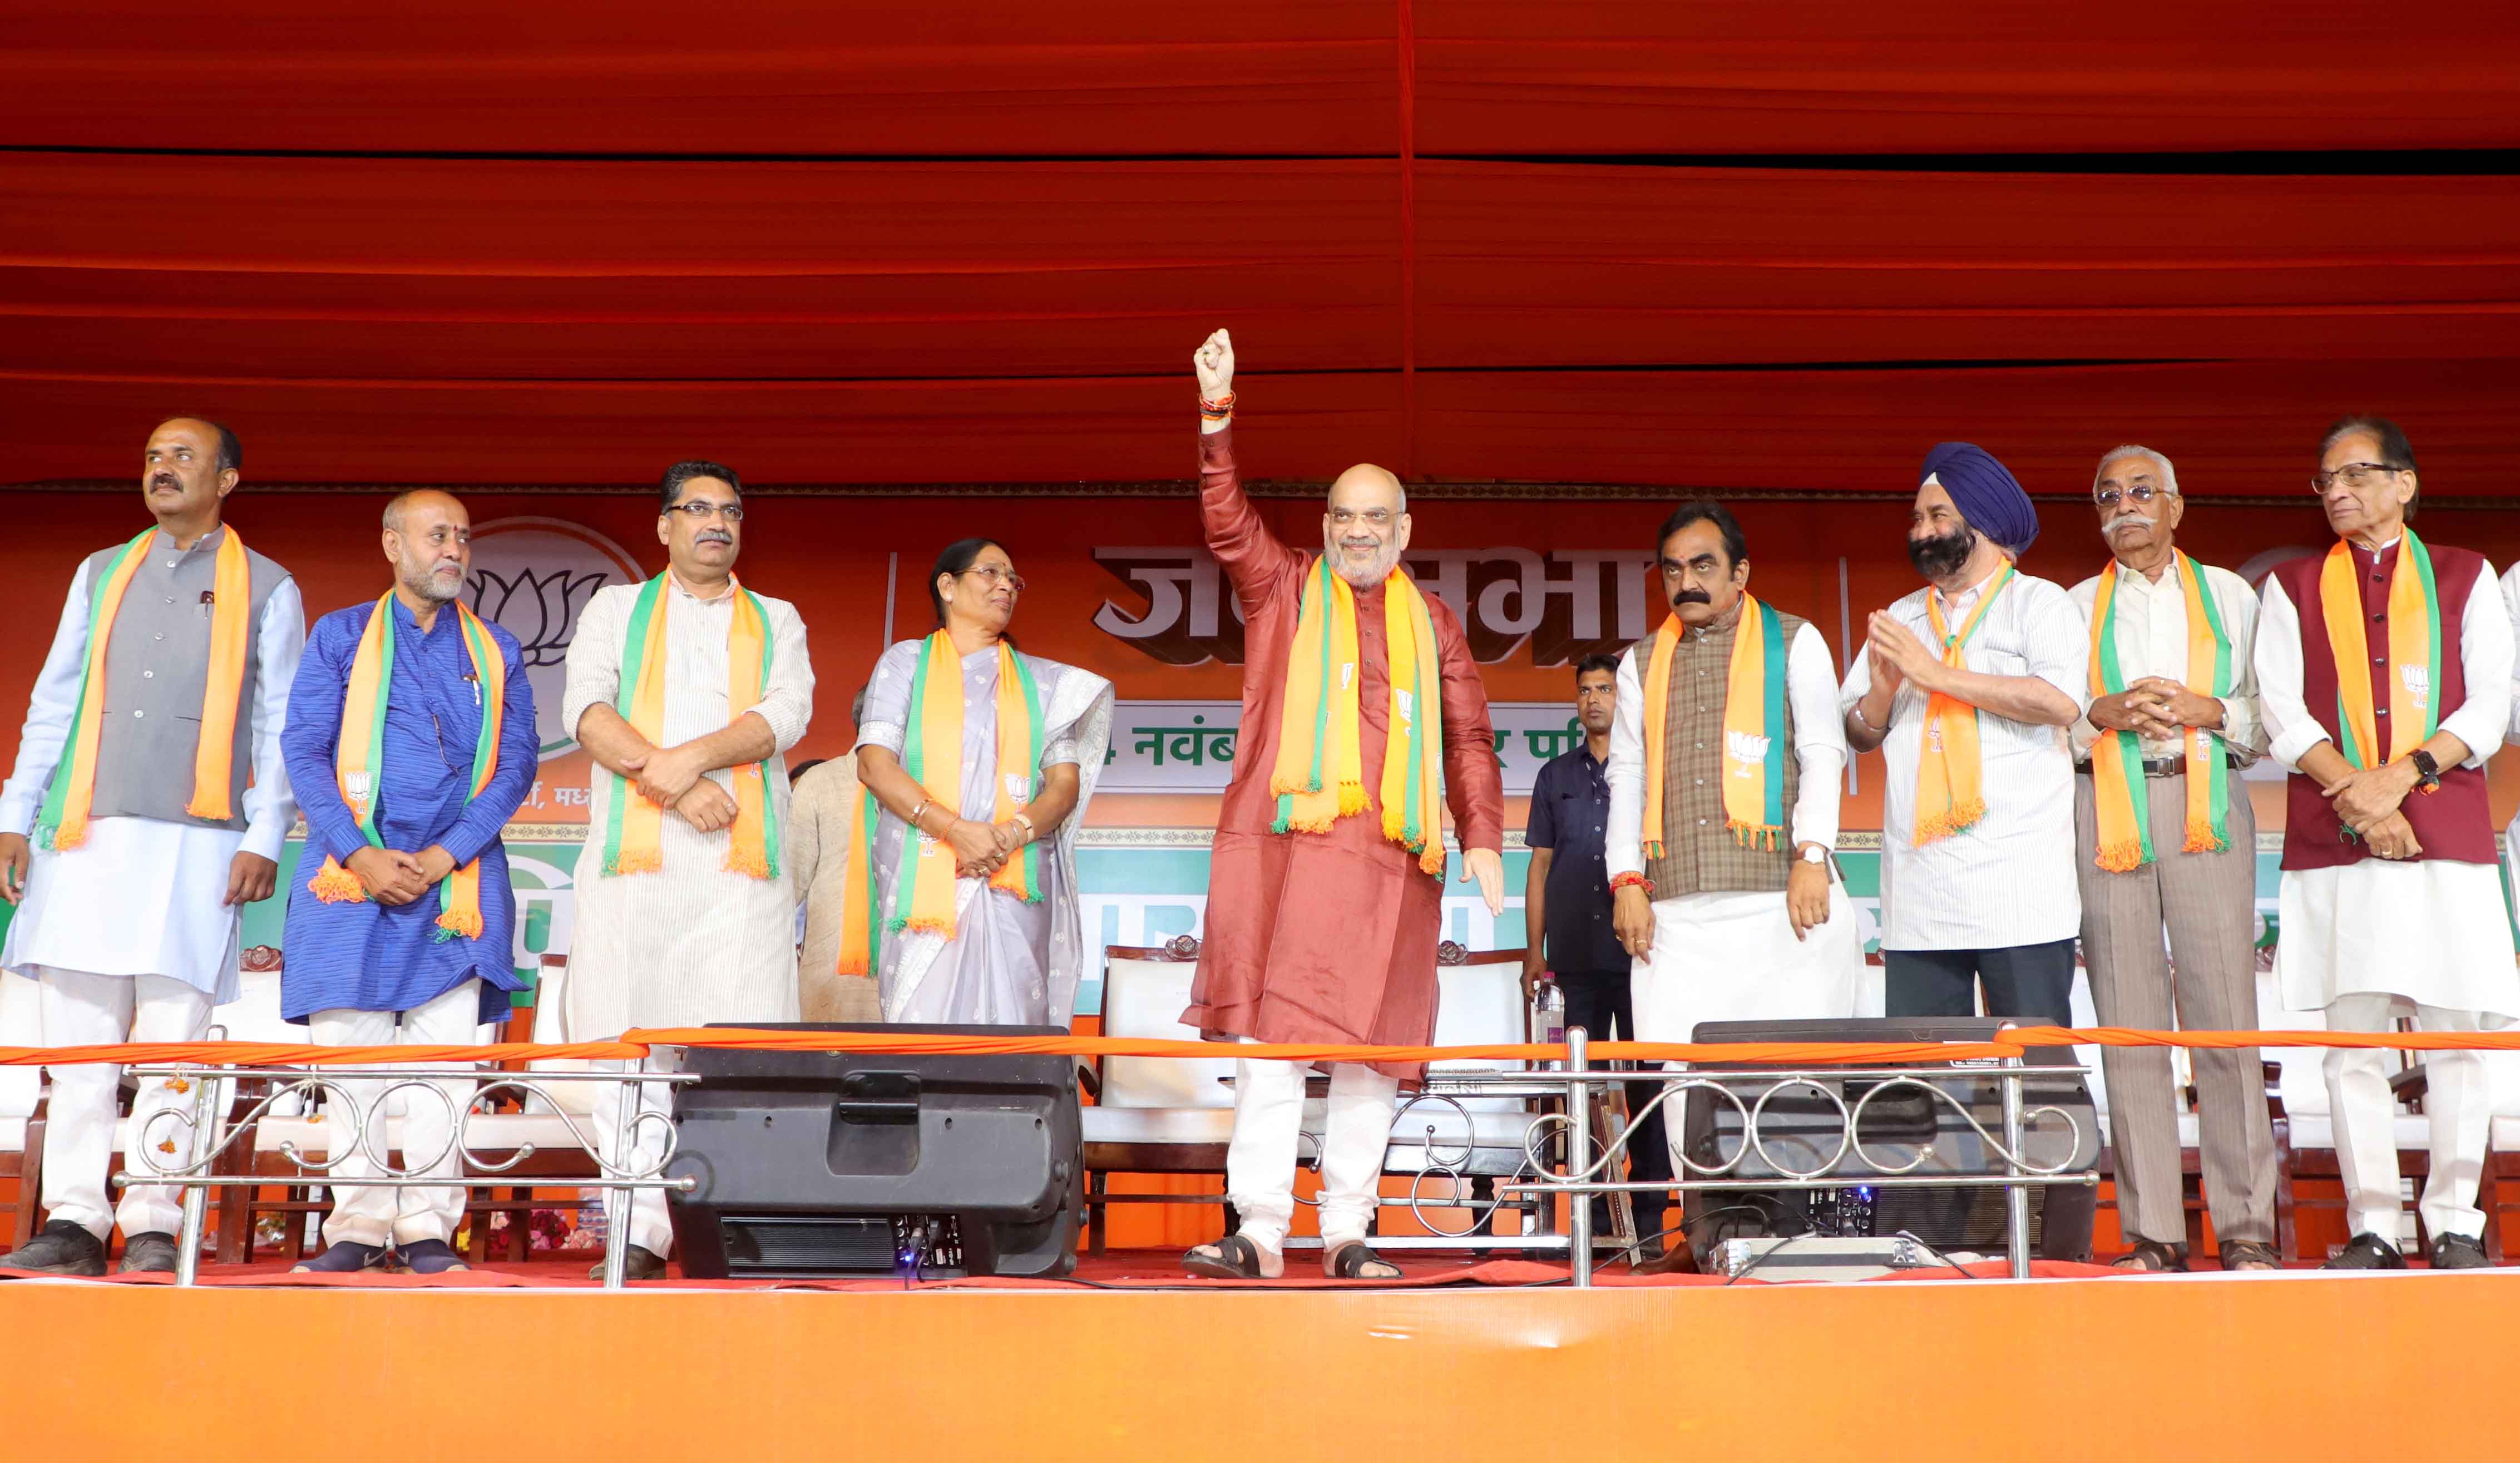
{"type": "Point", "coordinates": [649, 1228]}
{"type": "Point", "coordinates": [378, 1216]}
{"type": "Point", "coordinates": [82, 1009]}
{"type": "Point", "coordinates": [2458, 1099]}
{"type": "Point", "coordinates": [1260, 1162]}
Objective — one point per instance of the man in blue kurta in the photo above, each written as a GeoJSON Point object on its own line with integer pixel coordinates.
{"type": "Point", "coordinates": [415, 742]}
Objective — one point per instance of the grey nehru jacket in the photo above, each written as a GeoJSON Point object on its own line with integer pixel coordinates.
{"type": "Point", "coordinates": [156, 665]}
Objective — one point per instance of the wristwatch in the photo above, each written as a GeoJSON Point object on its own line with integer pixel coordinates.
{"type": "Point", "coordinates": [2428, 770]}
{"type": "Point", "coordinates": [1812, 853]}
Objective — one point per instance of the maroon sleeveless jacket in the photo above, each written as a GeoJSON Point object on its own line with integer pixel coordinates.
{"type": "Point", "coordinates": [2452, 824]}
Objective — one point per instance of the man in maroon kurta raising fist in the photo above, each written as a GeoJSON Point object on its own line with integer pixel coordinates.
{"type": "Point", "coordinates": [1363, 716]}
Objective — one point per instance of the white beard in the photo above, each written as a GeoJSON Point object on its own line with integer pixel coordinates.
{"type": "Point", "coordinates": [1374, 575]}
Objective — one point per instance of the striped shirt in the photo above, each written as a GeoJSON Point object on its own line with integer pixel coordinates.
{"type": "Point", "coordinates": [2008, 879]}
{"type": "Point", "coordinates": [691, 942]}
{"type": "Point", "coordinates": [368, 956]}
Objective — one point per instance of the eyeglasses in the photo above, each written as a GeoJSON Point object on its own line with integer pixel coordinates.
{"type": "Point", "coordinates": [996, 575]}
{"type": "Point", "coordinates": [2355, 476]}
{"type": "Point", "coordinates": [2143, 492]}
{"type": "Point", "coordinates": [1377, 518]}
{"type": "Point", "coordinates": [700, 511]}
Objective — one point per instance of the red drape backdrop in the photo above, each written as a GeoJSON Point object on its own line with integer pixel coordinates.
{"type": "Point", "coordinates": [967, 242]}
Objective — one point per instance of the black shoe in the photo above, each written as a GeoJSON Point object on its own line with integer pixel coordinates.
{"type": "Point", "coordinates": [62, 1249]}
{"type": "Point", "coordinates": [344, 1259]}
{"type": "Point", "coordinates": [431, 1257]}
{"type": "Point", "coordinates": [2367, 1252]}
{"type": "Point", "coordinates": [151, 1251]}
{"type": "Point", "coordinates": [2459, 1251]}
{"type": "Point", "coordinates": [642, 1264]}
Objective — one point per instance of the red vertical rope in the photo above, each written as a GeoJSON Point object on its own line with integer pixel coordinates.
{"type": "Point", "coordinates": [1407, 49]}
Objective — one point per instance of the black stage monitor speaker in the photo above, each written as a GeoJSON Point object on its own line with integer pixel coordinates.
{"type": "Point", "coordinates": [816, 1163]}
{"type": "Point", "coordinates": [1801, 1129]}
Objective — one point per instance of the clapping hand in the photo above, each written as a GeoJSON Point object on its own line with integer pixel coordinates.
{"type": "Point", "coordinates": [1897, 646]}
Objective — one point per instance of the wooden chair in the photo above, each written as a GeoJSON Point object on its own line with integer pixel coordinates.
{"type": "Point", "coordinates": [1151, 1114]}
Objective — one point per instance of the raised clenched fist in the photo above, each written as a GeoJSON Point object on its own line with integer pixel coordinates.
{"type": "Point", "coordinates": [1215, 362]}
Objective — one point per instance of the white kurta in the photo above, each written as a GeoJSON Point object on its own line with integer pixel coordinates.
{"type": "Point", "coordinates": [2151, 617]}
{"type": "Point", "coordinates": [1731, 954]}
{"type": "Point", "coordinates": [692, 943]}
{"type": "Point", "coordinates": [1008, 962]}
{"type": "Point", "coordinates": [144, 897]}
{"type": "Point", "coordinates": [2008, 879]}
{"type": "Point", "coordinates": [2431, 931]}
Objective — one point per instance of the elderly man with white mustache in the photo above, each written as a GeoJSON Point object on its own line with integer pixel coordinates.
{"type": "Point", "coordinates": [2164, 839]}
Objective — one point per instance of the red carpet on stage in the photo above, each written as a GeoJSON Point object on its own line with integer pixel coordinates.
{"type": "Point", "coordinates": [1135, 1270]}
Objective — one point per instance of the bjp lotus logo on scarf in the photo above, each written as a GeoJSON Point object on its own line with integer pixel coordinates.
{"type": "Point", "coordinates": [2418, 680]}
{"type": "Point", "coordinates": [1748, 748]}
{"type": "Point", "coordinates": [530, 577]}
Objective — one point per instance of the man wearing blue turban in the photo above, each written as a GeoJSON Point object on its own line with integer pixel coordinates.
{"type": "Point", "coordinates": [1967, 686]}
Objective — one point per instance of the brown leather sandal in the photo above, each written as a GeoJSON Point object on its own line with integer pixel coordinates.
{"type": "Point", "coordinates": [2249, 1255]}
{"type": "Point", "coordinates": [1356, 1260]}
{"type": "Point", "coordinates": [2152, 1257]}
{"type": "Point", "coordinates": [1232, 1258]}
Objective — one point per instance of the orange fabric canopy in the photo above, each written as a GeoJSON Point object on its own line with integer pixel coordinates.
{"type": "Point", "coordinates": [973, 243]}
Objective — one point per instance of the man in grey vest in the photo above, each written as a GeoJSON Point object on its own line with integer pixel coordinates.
{"type": "Point", "coordinates": [1726, 752]}
{"type": "Point", "coordinates": [147, 810]}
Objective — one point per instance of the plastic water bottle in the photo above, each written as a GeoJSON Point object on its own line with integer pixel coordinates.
{"type": "Point", "coordinates": [1548, 1018]}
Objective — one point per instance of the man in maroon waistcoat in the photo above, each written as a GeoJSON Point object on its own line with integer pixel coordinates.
{"type": "Point", "coordinates": [2384, 678]}
{"type": "Point", "coordinates": [1324, 937]}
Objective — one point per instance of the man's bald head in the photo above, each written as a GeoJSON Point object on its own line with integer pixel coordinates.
{"type": "Point", "coordinates": [404, 502]}
{"type": "Point", "coordinates": [428, 539]}
{"type": "Point", "coordinates": [1367, 524]}
{"type": "Point", "coordinates": [1369, 479]}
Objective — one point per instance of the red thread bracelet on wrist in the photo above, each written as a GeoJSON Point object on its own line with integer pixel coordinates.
{"type": "Point", "coordinates": [1632, 880]}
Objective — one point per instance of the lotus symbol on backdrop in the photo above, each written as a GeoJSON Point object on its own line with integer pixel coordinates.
{"type": "Point", "coordinates": [532, 577]}
{"type": "Point", "coordinates": [557, 595]}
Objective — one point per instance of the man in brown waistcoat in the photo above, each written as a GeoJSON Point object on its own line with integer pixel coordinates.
{"type": "Point", "coordinates": [1726, 753]}
{"type": "Point", "coordinates": [2384, 681]}
{"type": "Point", "coordinates": [130, 839]}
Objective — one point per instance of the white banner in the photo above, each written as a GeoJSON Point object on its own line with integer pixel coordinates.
{"type": "Point", "coordinates": [1189, 746]}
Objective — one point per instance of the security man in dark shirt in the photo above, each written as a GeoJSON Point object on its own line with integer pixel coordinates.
{"type": "Point", "coordinates": [1566, 896]}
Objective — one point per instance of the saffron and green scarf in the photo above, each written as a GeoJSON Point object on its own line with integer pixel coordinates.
{"type": "Point", "coordinates": [358, 759]}
{"type": "Point", "coordinates": [634, 830]}
{"type": "Point", "coordinates": [933, 755]}
{"type": "Point", "coordinates": [1754, 720]}
{"type": "Point", "coordinates": [2121, 811]}
{"type": "Point", "coordinates": [63, 823]}
{"type": "Point", "coordinates": [1319, 776]}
